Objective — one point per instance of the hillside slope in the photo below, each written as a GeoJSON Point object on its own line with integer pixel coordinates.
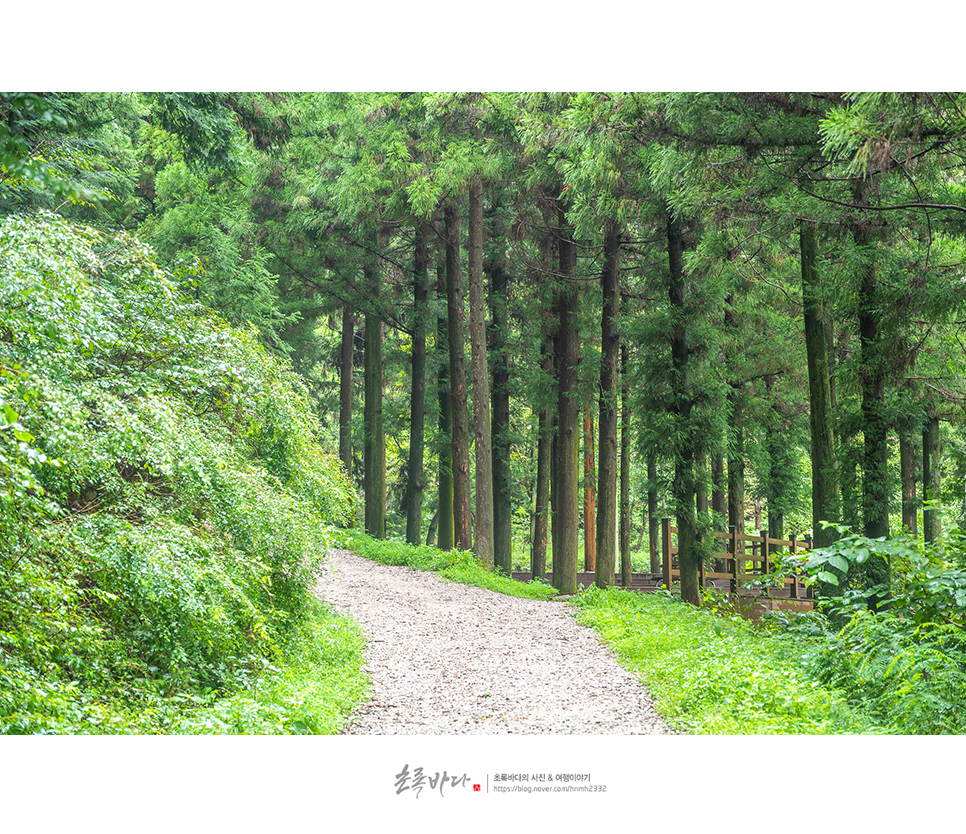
{"type": "Point", "coordinates": [163, 499]}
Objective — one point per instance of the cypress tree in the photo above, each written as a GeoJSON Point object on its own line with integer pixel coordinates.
{"type": "Point", "coordinates": [417, 409]}
{"type": "Point", "coordinates": [825, 490]}
{"type": "Point", "coordinates": [374, 486]}
{"type": "Point", "coordinates": [683, 488]}
{"type": "Point", "coordinates": [457, 380]}
{"type": "Point", "coordinates": [609, 399]}
{"type": "Point", "coordinates": [566, 478]}
{"type": "Point", "coordinates": [446, 531]}
{"type": "Point", "coordinates": [482, 445]}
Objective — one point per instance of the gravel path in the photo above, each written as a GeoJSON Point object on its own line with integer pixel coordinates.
{"type": "Point", "coordinates": [448, 659]}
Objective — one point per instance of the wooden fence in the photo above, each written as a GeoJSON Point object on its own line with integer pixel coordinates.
{"type": "Point", "coordinates": [745, 559]}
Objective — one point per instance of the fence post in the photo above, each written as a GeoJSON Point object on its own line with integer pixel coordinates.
{"type": "Point", "coordinates": [734, 560]}
{"type": "Point", "coordinates": [666, 551]}
{"type": "Point", "coordinates": [793, 591]}
{"type": "Point", "coordinates": [810, 590]}
{"type": "Point", "coordinates": [764, 559]}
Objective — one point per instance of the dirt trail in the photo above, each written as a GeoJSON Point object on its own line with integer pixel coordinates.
{"type": "Point", "coordinates": [449, 659]}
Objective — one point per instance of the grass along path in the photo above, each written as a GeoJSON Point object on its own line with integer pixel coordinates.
{"type": "Point", "coordinates": [715, 674]}
{"type": "Point", "coordinates": [708, 674]}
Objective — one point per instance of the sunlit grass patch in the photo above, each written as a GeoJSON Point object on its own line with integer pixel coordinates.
{"type": "Point", "coordinates": [318, 683]}
{"type": "Point", "coordinates": [710, 674]}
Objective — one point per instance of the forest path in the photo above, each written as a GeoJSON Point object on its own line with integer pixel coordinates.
{"type": "Point", "coordinates": [448, 659]}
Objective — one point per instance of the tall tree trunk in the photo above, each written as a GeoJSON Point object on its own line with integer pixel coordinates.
{"type": "Point", "coordinates": [826, 504]}
{"type": "Point", "coordinates": [850, 481]}
{"type": "Point", "coordinates": [345, 389]}
{"type": "Point", "coordinates": [374, 463]}
{"type": "Point", "coordinates": [875, 453]}
{"type": "Point", "coordinates": [483, 445]}
{"type": "Point", "coordinates": [779, 462]}
{"type": "Point", "coordinates": [554, 499]}
{"type": "Point", "coordinates": [701, 484]}
{"type": "Point", "coordinates": [719, 496]}
{"type": "Point", "coordinates": [652, 520]}
{"type": "Point", "coordinates": [736, 441]}
{"type": "Point", "coordinates": [627, 569]}
{"type": "Point", "coordinates": [502, 513]}
{"type": "Point", "coordinates": [567, 481]}
{"type": "Point", "coordinates": [684, 486]}
{"type": "Point", "coordinates": [907, 474]}
{"type": "Point", "coordinates": [590, 502]}
{"type": "Point", "coordinates": [414, 485]}
{"type": "Point", "coordinates": [776, 522]}
{"type": "Point", "coordinates": [538, 551]}
{"type": "Point", "coordinates": [446, 536]}
{"type": "Point", "coordinates": [736, 470]}
{"type": "Point", "coordinates": [609, 394]}
{"type": "Point", "coordinates": [457, 380]}
{"type": "Point", "coordinates": [931, 480]}
{"type": "Point", "coordinates": [719, 487]}
{"type": "Point", "coordinates": [907, 468]}
{"type": "Point", "coordinates": [832, 358]}
{"type": "Point", "coordinates": [875, 459]}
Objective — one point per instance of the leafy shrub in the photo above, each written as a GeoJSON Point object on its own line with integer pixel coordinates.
{"type": "Point", "coordinates": [317, 684]}
{"type": "Point", "coordinates": [904, 663]}
{"type": "Point", "coordinates": [164, 497]}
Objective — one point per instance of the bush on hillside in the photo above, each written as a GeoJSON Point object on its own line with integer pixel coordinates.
{"type": "Point", "coordinates": [163, 493]}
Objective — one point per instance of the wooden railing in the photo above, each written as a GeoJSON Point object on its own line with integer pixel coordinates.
{"type": "Point", "coordinates": [745, 559]}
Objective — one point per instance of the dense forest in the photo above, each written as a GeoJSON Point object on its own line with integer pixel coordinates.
{"type": "Point", "coordinates": [524, 325]}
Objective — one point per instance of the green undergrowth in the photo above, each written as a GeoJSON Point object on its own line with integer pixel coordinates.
{"type": "Point", "coordinates": [165, 503]}
{"type": "Point", "coordinates": [454, 565]}
{"type": "Point", "coordinates": [910, 678]}
{"type": "Point", "coordinates": [316, 683]}
{"type": "Point", "coordinates": [716, 675]}
{"type": "Point", "coordinates": [897, 650]}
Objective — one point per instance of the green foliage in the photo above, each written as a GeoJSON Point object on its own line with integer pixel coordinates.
{"type": "Point", "coordinates": [204, 126]}
{"type": "Point", "coordinates": [905, 663]}
{"type": "Point", "coordinates": [163, 493]}
{"type": "Point", "coordinates": [909, 678]}
{"type": "Point", "coordinates": [925, 588]}
{"type": "Point", "coordinates": [310, 689]}
{"type": "Point", "coordinates": [70, 151]}
{"type": "Point", "coordinates": [845, 557]}
{"type": "Point", "coordinates": [711, 674]}
{"type": "Point", "coordinates": [870, 127]}
{"type": "Point", "coordinates": [128, 416]}
{"type": "Point", "coordinates": [204, 232]}
{"type": "Point", "coordinates": [23, 117]}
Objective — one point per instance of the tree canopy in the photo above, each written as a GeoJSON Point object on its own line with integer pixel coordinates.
{"type": "Point", "coordinates": [781, 271]}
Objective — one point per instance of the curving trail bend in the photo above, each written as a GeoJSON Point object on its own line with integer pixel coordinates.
{"type": "Point", "coordinates": [448, 659]}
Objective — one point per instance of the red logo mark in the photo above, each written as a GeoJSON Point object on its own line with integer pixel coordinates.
{"type": "Point", "coordinates": [476, 787]}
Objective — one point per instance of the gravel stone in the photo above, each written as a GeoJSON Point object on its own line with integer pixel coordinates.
{"type": "Point", "coordinates": [449, 659]}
